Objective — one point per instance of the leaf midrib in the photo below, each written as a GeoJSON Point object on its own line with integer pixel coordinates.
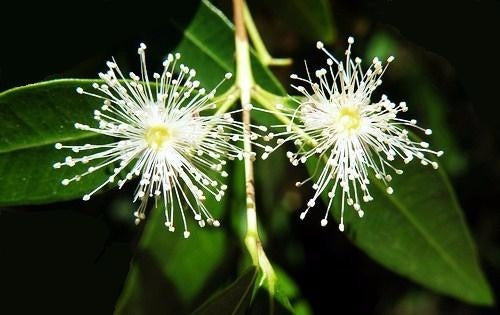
{"type": "Point", "coordinates": [434, 244]}
{"type": "Point", "coordinates": [47, 142]}
{"type": "Point", "coordinates": [212, 55]}
{"type": "Point", "coordinates": [206, 50]}
{"type": "Point", "coordinates": [44, 83]}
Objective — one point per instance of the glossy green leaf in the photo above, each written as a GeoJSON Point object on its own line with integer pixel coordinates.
{"type": "Point", "coordinates": [33, 118]}
{"type": "Point", "coordinates": [168, 271]}
{"type": "Point", "coordinates": [234, 299]}
{"type": "Point", "coordinates": [210, 50]}
{"type": "Point", "coordinates": [419, 232]}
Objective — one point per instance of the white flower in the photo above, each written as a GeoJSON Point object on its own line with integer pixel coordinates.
{"type": "Point", "coordinates": [162, 138]}
{"type": "Point", "coordinates": [337, 121]}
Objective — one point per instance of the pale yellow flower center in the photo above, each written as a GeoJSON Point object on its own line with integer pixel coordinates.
{"type": "Point", "coordinates": [157, 136]}
{"type": "Point", "coordinates": [349, 119]}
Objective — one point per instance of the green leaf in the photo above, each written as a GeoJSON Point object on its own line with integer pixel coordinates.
{"type": "Point", "coordinates": [33, 118]}
{"type": "Point", "coordinates": [419, 232]}
{"type": "Point", "coordinates": [210, 50]}
{"type": "Point", "coordinates": [234, 299]}
{"type": "Point", "coordinates": [168, 271]}
{"type": "Point", "coordinates": [313, 18]}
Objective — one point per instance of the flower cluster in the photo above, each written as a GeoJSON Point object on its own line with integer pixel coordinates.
{"type": "Point", "coordinates": [337, 122]}
{"type": "Point", "coordinates": [161, 137]}
{"type": "Point", "coordinates": [175, 150]}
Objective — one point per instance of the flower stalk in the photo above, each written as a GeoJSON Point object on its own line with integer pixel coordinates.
{"type": "Point", "coordinates": [245, 83]}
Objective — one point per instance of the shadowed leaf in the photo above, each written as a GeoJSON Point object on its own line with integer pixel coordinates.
{"type": "Point", "coordinates": [234, 299]}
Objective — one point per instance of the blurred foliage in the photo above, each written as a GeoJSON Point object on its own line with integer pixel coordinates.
{"type": "Point", "coordinates": [167, 265]}
{"type": "Point", "coordinates": [311, 19]}
{"type": "Point", "coordinates": [234, 298]}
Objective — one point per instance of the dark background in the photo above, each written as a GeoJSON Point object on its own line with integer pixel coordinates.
{"type": "Point", "coordinates": [71, 258]}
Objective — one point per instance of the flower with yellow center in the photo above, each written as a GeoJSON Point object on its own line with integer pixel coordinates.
{"type": "Point", "coordinates": [337, 122]}
{"type": "Point", "coordinates": [162, 138]}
